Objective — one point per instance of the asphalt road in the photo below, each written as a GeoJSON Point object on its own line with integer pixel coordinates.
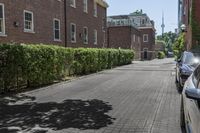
{"type": "Point", "coordinates": [137, 98]}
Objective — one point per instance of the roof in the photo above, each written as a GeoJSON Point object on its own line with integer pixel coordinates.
{"type": "Point", "coordinates": [138, 13]}
{"type": "Point", "coordinates": [102, 3]}
{"type": "Point", "coordinates": [119, 17]}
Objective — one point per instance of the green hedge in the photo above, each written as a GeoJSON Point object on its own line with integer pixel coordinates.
{"type": "Point", "coordinates": [35, 65]}
{"type": "Point", "coordinates": [161, 55]}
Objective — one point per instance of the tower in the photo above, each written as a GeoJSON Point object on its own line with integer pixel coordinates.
{"type": "Point", "coordinates": [163, 24]}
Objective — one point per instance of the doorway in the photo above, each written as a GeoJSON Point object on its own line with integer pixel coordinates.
{"type": "Point", "coordinates": [145, 53]}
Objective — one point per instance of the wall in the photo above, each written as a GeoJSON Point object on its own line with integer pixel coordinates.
{"type": "Point", "coordinates": [44, 12]}
{"type": "Point", "coordinates": [82, 19]}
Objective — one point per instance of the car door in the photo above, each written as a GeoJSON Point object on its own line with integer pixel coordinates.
{"type": "Point", "coordinates": [193, 107]}
{"type": "Point", "coordinates": [178, 65]}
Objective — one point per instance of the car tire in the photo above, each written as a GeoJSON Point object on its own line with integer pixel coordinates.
{"type": "Point", "coordinates": [179, 86]}
{"type": "Point", "coordinates": [176, 80]}
{"type": "Point", "coordinates": [182, 116]}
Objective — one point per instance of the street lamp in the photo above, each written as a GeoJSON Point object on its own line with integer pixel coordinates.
{"type": "Point", "coordinates": [183, 28]}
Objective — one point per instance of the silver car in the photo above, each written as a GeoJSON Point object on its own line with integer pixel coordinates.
{"type": "Point", "coordinates": [190, 103]}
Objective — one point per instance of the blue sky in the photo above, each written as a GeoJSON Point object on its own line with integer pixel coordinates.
{"type": "Point", "coordinates": [153, 8]}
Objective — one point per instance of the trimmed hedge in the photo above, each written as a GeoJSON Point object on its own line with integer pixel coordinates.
{"type": "Point", "coordinates": [35, 65]}
{"type": "Point", "coordinates": [161, 55]}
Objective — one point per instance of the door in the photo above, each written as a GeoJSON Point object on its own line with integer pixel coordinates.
{"type": "Point", "coordinates": [145, 53]}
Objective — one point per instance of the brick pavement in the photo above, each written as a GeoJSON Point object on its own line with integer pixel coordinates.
{"type": "Point", "coordinates": [143, 98]}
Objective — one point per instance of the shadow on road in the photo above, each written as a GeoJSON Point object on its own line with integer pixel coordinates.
{"type": "Point", "coordinates": [90, 114]}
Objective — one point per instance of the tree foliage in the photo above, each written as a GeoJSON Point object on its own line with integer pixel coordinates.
{"type": "Point", "coordinates": [169, 38]}
{"type": "Point", "coordinates": [179, 45]}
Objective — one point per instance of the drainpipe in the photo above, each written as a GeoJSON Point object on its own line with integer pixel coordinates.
{"type": "Point", "coordinates": [108, 37]}
{"type": "Point", "coordinates": [65, 21]}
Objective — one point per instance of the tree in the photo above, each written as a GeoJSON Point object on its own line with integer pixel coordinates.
{"type": "Point", "coordinates": [169, 39]}
{"type": "Point", "coordinates": [179, 45]}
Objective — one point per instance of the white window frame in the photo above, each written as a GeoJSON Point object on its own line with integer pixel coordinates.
{"type": "Point", "coordinates": [3, 20]}
{"type": "Point", "coordinates": [95, 9]}
{"type": "Point", "coordinates": [85, 6]}
{"type": "Point", "coordinates": [147, 38]}
{"type": "Point", "coordinates": [73, 34]}
{"type": "Point", "coordinates": [95, 37]}
{"type": "Point", "coordinates": [32, 22]}
{"type": "Point", "coordinates": [54, 29]}
{"type": "Point", "coordinates": [73, 3]}
{"type": "Point", "coordinates": [85, 36]}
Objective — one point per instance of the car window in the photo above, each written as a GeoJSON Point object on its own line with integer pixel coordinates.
{"type": "Point", "coordinates": [192, 59]}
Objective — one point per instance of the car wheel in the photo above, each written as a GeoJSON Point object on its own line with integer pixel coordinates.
{"type": "Point", "coordinates": [179, 86]}
{"type": "Point", "coordinates": [176, 80]}
{"type": "Point", "coordinates": [182, 116]}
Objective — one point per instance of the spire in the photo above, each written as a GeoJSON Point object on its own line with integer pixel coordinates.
{"type": "Point", "coordinates": [163, 24]}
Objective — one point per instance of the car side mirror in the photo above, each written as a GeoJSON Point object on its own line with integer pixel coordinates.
{"type": "Point", "coordinates": [193, 93]}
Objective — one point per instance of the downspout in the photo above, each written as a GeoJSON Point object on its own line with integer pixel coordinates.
{"type": "Point", "coordinates": [108, 37]}
{"type": "Point", "coordinates": [65, 21]}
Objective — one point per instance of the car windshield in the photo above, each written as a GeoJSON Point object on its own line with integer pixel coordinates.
{"type": "Point", "coordinates": [192, 59]}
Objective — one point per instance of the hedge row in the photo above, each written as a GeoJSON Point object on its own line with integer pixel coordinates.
{"type": "Point", "coordinates": [35, 65]}
{"type": "Point", "coordinates": [161, 55]}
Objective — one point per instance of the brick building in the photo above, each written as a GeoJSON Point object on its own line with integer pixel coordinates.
{"type": "Point", "coordinates": [189, 17]}
{"type": "Point", "coordinates": [148, 43]}
{"type": "Point", "coordinates": [135, 31]}
{"type": "Point", "coordinates": [126, 37]}
{"type": "Point", "coordinates": [70, 23]}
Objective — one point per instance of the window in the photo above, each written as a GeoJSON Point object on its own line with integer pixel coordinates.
{"type": "Point", "coordinates": [73, 32]}
{"type": "Point", "coordinates": [143, 21]}
{"type": "Point", "coordinates": [103, 24]}
{"type": "Point", "coordinates": [95, 9]}
{"type": "Point", "coordinates": [134, 38]}
{"type": "Point", "coordinates": [28, 21]}
{"type": "Point", "coordinates": [2, 20]}
{"type": "Point", "coordinates": [73, 3]}
{"type": "Point", "coordinates": [145, 38]}
{"type": "Point", "coordinates": [85, 6]}
{"type": "Point", "coordinates": [85, 35]}
{"type": "Point", "coordinates": [95, 37]}
{"type": "Point", "coordinates": [56, 24]}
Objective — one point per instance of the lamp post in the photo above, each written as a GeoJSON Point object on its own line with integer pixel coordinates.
{"type": "Point", "coordinates": [183, 28]}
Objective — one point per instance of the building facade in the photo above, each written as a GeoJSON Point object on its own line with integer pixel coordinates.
{"type": "Point", "coordinates": [25, 21]}
{"type": "Point", "coordinates": [142, 28]}
{"type": "Point", "coordinates": [148, 43]}
{"type": "Point", "coordinates": [190, 18]}
{"type": "Point", "coordinates": [125, 37]}
{"type": "Point", "coordinates": [69, 23]}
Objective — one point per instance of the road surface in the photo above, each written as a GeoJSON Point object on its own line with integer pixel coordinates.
{"type": "Point", "coordinates": [137, 98]}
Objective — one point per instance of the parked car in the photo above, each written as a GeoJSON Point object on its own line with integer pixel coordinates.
{"type": "Point", "coordinates": [185, 66]}
{"type": "Point", "coordinates": [170, 54]}
{"type": "Point", "coordinates": [190, 103]}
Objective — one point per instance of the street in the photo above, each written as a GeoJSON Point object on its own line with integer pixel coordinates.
{"type": "Point", "coordinates": [137, 98]}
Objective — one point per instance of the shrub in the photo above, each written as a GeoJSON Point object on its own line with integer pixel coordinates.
{"type": "Point", "coordinates": [35, 65]}
{"type": "Point", "coordinates": [161, 55]}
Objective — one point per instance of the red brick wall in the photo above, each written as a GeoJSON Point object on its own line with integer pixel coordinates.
{"type": "Point", "coordinates": [123, 37]}
{"type": "Point", "coordinates": [150, 45]}
{"type": "Point", "coordinates": [119, 37]}
{"type": "Point", "coordinates": [44, 12]}
{"type": "Point", "coordinates": [82, 19]}
{"type": "Point", "coordinates": [186, 20]}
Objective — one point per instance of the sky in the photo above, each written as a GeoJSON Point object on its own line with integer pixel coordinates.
{"type": "Point", "coordinates": [153, 8]}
